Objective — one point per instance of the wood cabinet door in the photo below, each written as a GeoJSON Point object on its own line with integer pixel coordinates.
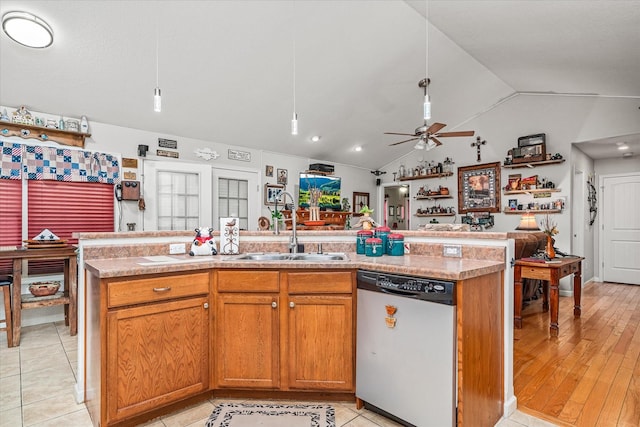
{"type": "Point", "coordinates": [156, 354]}
{"type": "Point", "coordinates": [321, 342]}
{"type": "Point", "coordinates": [247, 340]}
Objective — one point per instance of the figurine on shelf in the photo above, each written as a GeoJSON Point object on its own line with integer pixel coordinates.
{"type": "Point", "coordinates": [84, 125]}
{"type": "Point", "coordinates": [4, 116]}
{"type": "Point", "coordinates": [22, 116]}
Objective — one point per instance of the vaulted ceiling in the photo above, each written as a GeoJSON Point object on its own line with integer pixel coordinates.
{"type": "Point", "coordinates": [226, 68]}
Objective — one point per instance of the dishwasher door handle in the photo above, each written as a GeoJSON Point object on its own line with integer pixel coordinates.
{"type": "Point", "coordinates": [398, 293]}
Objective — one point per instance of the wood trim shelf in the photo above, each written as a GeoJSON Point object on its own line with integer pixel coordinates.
{"type": "Point", "coordinates": [433, 175]}
{"type": "Point", "coordinates": [532, 191]}
{"type": "Point", "coordinates": [533, 211]}
{"type": "Point", "coordinates": [532, 164]}
{"type": "Point", "coordinates": [438, 196]}
{"type": "Point", "coordinates": [438, 214]}
{"type": "Point", "coordinates": [75, 139]}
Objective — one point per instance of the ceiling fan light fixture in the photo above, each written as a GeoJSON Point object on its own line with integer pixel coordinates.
{"type": "Point", "coordinates": [27, 29]}
{"type": "Point", "coordinates": [431, 145]}
{"type": "Point", "coordinates": [420, 145]}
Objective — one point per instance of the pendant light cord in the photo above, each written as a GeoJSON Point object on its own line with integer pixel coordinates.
{"type": "Point", "coordinates": [294, 56]}
{"type": "Point", "coordinates": [157, 56]}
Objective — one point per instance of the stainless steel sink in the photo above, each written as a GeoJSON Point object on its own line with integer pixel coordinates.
{"type": "Point", "coordinates": [319, 257]}
{"type": "Point", "coordinates": [262, 257]}
{"type": "Point", "coordinates": [289, 257]}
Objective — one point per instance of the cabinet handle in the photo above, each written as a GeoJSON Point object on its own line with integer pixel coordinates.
{"type": "Point", "coordinates": [274, 304]}
{"type": "Point", "coordinates": [205, 305]}
{"type": "Point", "coordinates": [292, 304]}
{"type": "Point", "coordinates": [167, 289]}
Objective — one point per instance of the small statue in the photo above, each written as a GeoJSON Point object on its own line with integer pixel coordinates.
{"type": "Point", "coordinates": [203, 243]}
{"type": "Point", "coordinates": [346, 207]}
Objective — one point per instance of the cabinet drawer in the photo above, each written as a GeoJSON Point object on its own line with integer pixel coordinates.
{"type": "Point", "coordinates": [140, 291]}
{"type": "Point", "coordinates": [568, 269]}
{"type": "Point", "coordinates": [247, 281]}
{"type": "Point", "coordinates": [315, 282]}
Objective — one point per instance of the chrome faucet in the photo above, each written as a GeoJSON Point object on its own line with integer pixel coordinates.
{"type": "Point", "coordinates": [293, 240]}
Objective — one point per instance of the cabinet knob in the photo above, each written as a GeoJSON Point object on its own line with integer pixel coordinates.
{"type": "Point", "coordinates": [206, 305]}
{"type": "Point", "coordinates": [292, 304]}
{"type": "Point", "coordinates": [274, 304]}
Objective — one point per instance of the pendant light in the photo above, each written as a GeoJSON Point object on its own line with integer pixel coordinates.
{"type": "Point", "coordinates": [157, 96]}
{"type": "Point", "coordinates": [427, 101]}
{"type": "Point", "coordinates": [294, 120]}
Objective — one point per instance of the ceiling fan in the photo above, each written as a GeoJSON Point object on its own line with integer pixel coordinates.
{"type": "Point", "coordinates": [428, 135]}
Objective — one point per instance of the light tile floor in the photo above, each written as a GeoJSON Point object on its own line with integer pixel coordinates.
{"type": "Point", "coordinates": [37, 382]}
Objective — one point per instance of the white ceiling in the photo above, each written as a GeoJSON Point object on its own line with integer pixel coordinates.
{"type": "Point", "coordinates": [226, 67]}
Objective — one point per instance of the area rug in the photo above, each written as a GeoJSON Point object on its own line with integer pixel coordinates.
{"type": "Point", "coordinates": [267, 415]}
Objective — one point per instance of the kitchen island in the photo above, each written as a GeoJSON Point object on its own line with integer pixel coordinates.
{"type": "Point", "coordinates": [164, 330]}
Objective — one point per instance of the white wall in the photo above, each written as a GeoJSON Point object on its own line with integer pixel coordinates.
{"type": "Point", "coordinates": [124, 141]}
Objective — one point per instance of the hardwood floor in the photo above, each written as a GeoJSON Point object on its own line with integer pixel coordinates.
{"type": "Point", "coordinates": [590, 374]}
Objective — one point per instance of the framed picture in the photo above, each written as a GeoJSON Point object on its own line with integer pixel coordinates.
{"type": "Point", "coordinates": [479, 188]}
{"type": "Point", "coordinates": [268, 170]}
{"type": "Point", "coordinates": [282, 176]}
{"type": "Point", "coordinates": [360, 200]}
{"type": "Point", "coordinates": [271, 193]}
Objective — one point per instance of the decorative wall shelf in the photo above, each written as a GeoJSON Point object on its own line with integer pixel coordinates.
{"type": "Point", "coordinates": [433, 175]}
{"type": "Point", "coordinates": [532, 164]}
{"type": "Point", "coordinates": [533, 211]}
{"type": "Point", "coordinates": [75, 139]}
{"type": "Point", "coordinates": [537, 190]}
{"type": "Point", "coordinates": [436, 214]}
{"type": "Point", "coordinates": [437, 196]}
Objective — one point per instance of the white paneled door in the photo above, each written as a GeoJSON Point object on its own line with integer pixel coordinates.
{"type": "Point", "coordinates": [621, 228]}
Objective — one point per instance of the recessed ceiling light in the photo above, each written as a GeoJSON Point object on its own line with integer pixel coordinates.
{"type": "Point", "coordinates": [627, 154]}
{"type": "Point", "coordinates": [623, 147]}
{"type": "Point", "coordinates": [358, 148]}
{"type": "Point", "coordinates": [315, 138]}
{"type": "Point", "coordinates": [27, 29]}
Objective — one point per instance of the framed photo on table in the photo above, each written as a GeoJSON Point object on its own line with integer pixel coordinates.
{"type": "Point", "coordinates": [271, 193]}
{"type": "Point", "coordinates": [479, 188]}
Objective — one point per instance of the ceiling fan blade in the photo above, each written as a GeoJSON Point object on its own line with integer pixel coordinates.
{"type": "Point", "coordinates": [435, 128]}
{"type": "Point", "coordinates": [396, 133]}
{"type": "Point", "coordinates": [458, 133]}
{"type": "Point", "coordinates": [406, 140]}
{"type": "Point", "coordinates": [435, 140]}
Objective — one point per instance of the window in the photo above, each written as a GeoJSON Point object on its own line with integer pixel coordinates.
{"type": "Point", "coordinates": [178, 201]}
{"type": "Point", "coordinates": [65, 208]}
{"type": "Point", "coordinates": [10, 218]}
{"type": "Point", "coordinates": [233, 200]}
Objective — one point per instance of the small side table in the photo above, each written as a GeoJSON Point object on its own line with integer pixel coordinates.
{"type": "Point", "coordinates": [551, 273]}
{"type": "Point", "coordinates": [69, 297]}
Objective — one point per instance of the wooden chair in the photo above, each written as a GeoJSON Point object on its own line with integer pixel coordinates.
{"type": "Point", "coordinates": [5, 287]}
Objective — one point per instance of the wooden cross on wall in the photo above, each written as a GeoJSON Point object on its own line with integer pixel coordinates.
{"type": "Point", "coordinates": [478, 144]}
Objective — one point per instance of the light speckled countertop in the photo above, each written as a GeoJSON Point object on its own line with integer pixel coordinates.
{"type": "Point", "coordinates": [417, 265]}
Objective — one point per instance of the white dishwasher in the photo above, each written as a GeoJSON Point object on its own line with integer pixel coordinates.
{"type": "Point", "coordinates": [406, 348]}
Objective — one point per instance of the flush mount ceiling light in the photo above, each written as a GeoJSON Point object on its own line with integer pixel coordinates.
{"type": "Point", "coordinates": [622, 146]}
{"type": "Point", "coordinates": [27, 29]}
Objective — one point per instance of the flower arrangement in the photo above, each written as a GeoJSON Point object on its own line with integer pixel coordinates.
{"type": "Point", "coordinates": [549, 227]}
